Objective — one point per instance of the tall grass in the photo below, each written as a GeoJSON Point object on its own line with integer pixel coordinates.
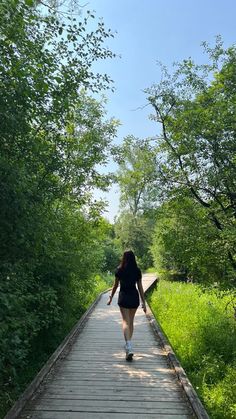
{"type": "Point", "coordinates": [201, 328]}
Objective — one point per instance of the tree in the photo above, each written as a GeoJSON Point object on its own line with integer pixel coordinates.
{"type": "Point", "coordinates": [54, 134]}
{"type": "Point", "coordinates": [186, 244]}
{"type": "Point", "coordinates": [196, 109]}
{"type": "Point", "coordinates": [137, 179]}
{"type": "Point", "coordinates": [110, 246]}
{"type": "Point", "coordinates": [137, 174]}
{"type": "Point", "coordinates": [135, 233]}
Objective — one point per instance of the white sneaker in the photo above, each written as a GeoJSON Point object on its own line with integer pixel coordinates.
{"type": "Point", "coordinates": [129, 353]}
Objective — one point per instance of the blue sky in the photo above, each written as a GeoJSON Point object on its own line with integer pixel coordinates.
{"type": "Point", "coordinates": [147, 32]}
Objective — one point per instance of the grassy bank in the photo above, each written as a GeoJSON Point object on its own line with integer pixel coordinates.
{"type": "Point", "coordinates": [11, 389]}
{"type": "Point", "coordinates": [201, 328]}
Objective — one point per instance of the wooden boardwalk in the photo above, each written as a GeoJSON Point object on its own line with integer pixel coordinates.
{"type": "Point", "coordinates": [93, 380]}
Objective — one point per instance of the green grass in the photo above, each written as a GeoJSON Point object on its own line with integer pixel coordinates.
{"type": "Point", "coordinates": [201, 328]}
{"type": "Point", "coordinates": [103, 282]}
{"type": "Point", "coordinates": [150, 270]}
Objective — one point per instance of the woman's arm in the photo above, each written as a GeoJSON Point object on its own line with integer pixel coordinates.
{"type": "Point", "coordinates": [141, 292]}
{"type": "Point", "coordinates": [114, 288]}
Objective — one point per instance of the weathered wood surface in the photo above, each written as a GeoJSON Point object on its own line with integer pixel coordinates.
{"type": "Point", "coordinates": [93, 379]}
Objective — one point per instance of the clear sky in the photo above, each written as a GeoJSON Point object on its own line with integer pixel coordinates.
{"type": "Point", "coordinates": [147, 32]}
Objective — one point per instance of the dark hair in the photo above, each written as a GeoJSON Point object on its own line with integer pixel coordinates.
{"type": "Point", "coordinates": [128, 260]}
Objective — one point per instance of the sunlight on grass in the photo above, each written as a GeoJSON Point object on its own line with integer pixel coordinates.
{"type": "Point", "coordinates": [201, 328]}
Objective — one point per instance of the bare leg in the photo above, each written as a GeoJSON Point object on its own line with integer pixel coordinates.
{"type": "Point", "coordinates": [128, 321]}
{"type": "Point", "coordinates": [125, 323]}
{"type": "Point", "coordinates": [132, 312]}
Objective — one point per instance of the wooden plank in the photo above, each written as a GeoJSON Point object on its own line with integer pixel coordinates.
{"type": "Point", "coordinates": [98, 381]}
{"type": "Point", "coordinates": [140, 360]}
{"type": "Point", "coordinates": [120, 359]}
{"type": "Point", "coordinates": [105, 390]}
{"type": "Point", "coordinates": [97, 415]}
{"type": "Point", "coordinates": [109, 396]}
{"type": "Point", "coordinates": [118, 410]}
{"type": "Point", "coordinates": [54, 406]}
{"type": "Point", "coordinates": [116, 388]}
{"type": "Point", "coordinates": [138, 364]}
{"type": "Point", "coordinates": [113, 355]}
{"type": "Point", "coordinates": [157, 413]}
{"type": "Point", "coordinates": [132, 383]}
{"type": "Point", "coordinates": [135, 365]}
{"type": "Point", "coordinates": [109, 368]}
{"type": "Point", "coordinates": [123, 376]}
{"type": "Point", "coordinates": [75, 404]}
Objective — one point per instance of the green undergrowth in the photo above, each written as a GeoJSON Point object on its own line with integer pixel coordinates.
{"type": "Point", "coordinates": [150, 270]}
{"type": "Point", "coordinates": [45, 345]}
{"type": "Point", "coordinates": [201, 328]}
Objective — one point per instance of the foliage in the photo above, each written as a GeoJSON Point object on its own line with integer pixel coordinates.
{"type": "Point", "coordinates": [41, 304]}
{"type": "Point", "coordinates": [133, 232]}
{"type": "Point", "coordinates": [195, 107]}
{"type": "Point", "coordinates": [201, 328]}
{"type": "Point", "coordinates": [54, 136]}
{"type": "Point", "coordinates": [151, 270]}
{"type": "Point", "coordinates": [220, 396]}
{"type": "Point", "coordinates": [186, 243]}
{"type": "Point", "coordinates": [137, 174]}
{"type": "Point", "coordinates": [183, 180]}
{"type": "Point", "coordinates": [110, 247]}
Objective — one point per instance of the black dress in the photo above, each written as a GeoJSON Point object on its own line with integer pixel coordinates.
{"type": "Point", "coordinates": [128, 295]}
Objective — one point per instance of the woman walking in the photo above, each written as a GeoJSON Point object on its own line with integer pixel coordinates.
{"type": "Point", "coordinates": [128, 275]}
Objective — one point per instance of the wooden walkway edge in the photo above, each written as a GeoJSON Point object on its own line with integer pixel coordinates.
{"type": "Point", "coordinates": [193, 398]}
{"type": "Point", "coordinates": [87, 377]}
{"type": "Point", "coordinates": [19, 405]}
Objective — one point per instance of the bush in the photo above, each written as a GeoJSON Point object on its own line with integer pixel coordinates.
{"type": "Point", "coordinates": [187, 246]}
{"type": "Point", "coordinates": [33, 325]}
